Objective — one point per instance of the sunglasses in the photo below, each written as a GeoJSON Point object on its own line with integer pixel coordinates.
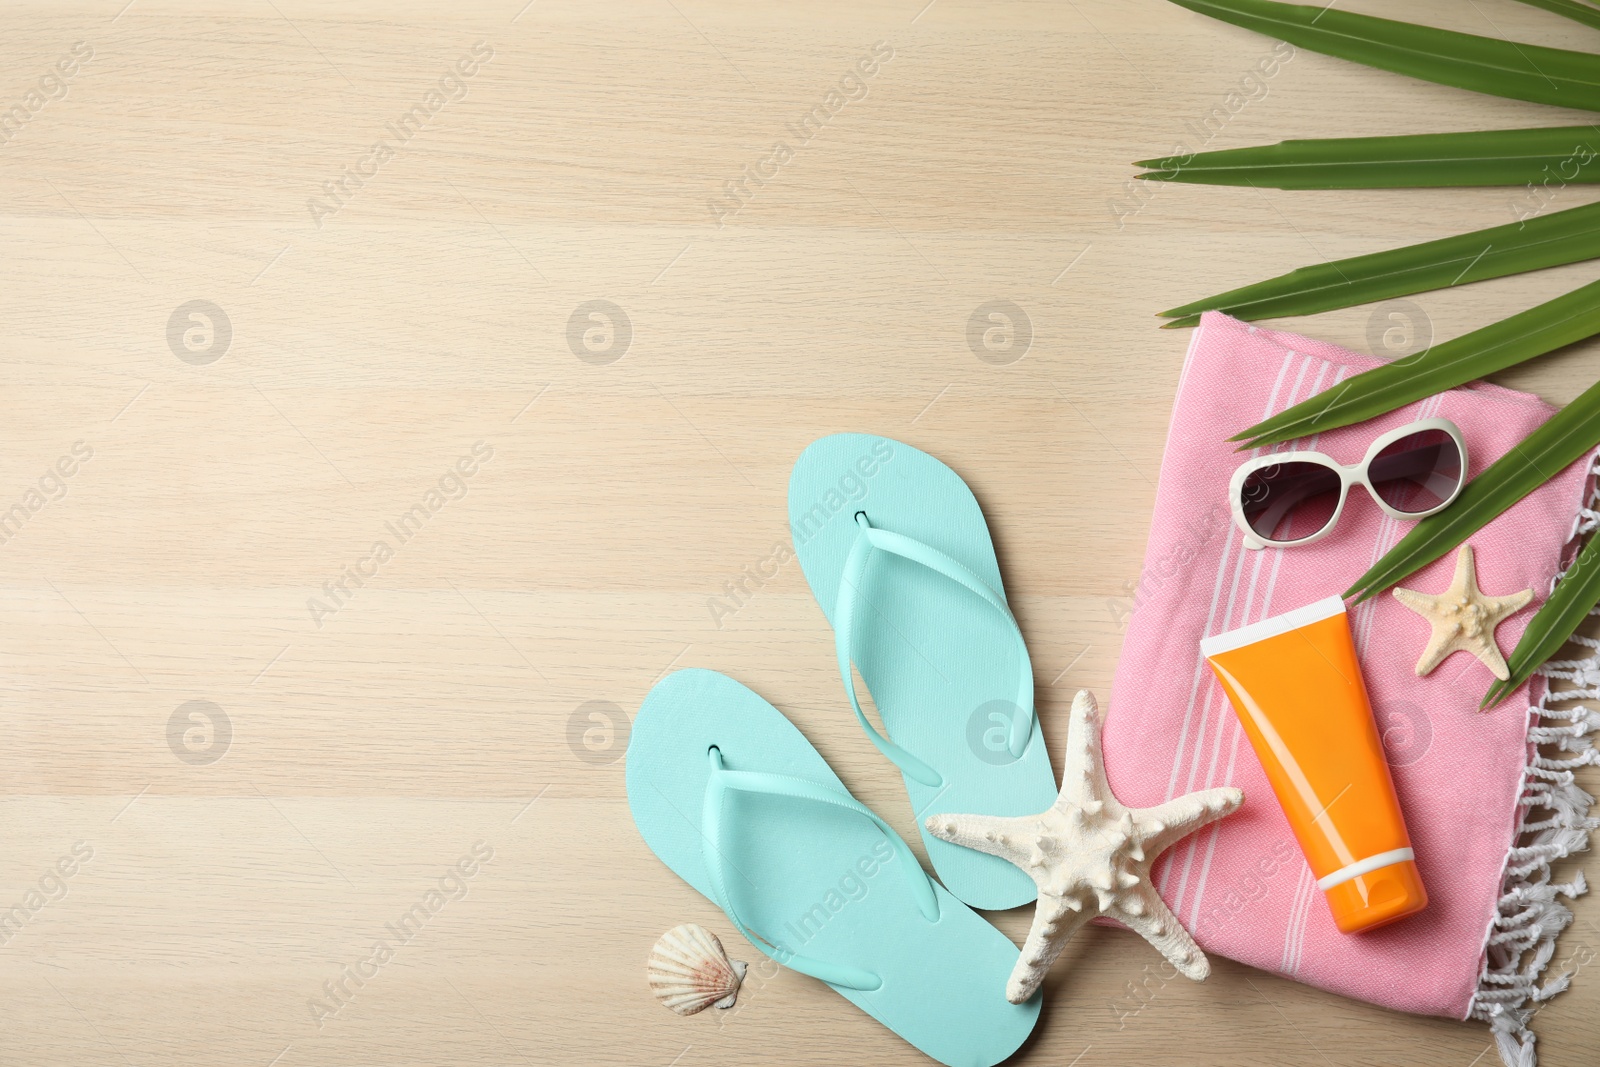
{"type": "Point", "coordinates": [1293, 498]}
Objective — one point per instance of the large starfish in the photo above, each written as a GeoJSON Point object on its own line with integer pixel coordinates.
{"type": "Point", "coordinates": [1091, 856]}
{"type": "Point", "coordinates": [1463, 618]}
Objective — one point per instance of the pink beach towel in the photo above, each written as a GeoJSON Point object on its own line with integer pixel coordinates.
{"type": "Point", "coordinates": [1464, 777]}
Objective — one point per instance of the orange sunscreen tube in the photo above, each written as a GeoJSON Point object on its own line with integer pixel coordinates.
{"type": "Point", "coordinates": [1296, 685]}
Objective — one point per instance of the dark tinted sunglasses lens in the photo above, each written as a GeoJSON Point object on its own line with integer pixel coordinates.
{"type": "Point", "coordinates": [1417, 473]}
{"type": "Point", "coordinates": [1290, 501]}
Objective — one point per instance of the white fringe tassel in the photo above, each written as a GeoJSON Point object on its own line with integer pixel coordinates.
{"type": "Point", "coordinates": [1522, 938]}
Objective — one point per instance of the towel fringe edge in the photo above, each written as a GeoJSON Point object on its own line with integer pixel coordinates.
{"type": "Point", "coordinates": [1531, 913]}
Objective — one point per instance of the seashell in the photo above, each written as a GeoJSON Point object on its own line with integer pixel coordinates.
{"type": "Point", "coordinates": [689, 972]}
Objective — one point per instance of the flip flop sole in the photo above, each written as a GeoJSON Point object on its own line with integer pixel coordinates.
{"type": "Point", "coordinates": [815, 879]}
{"type": "Point", "coordinates": [941, 665]}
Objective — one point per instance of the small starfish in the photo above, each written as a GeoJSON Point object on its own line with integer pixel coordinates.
{"type": "Point", "coordinates": [1091, 856]}
{"type": "Point", "coordinates": [1463, 618]}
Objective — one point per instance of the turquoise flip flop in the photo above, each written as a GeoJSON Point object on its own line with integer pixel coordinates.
{"type": "Point", "coordinates": [735, 800]}
{"type": "Point", "coordinates": [898, 555]}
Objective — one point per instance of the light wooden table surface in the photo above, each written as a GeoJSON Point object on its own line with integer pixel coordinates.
{"type": "Point", "coordinates": [264, 783]}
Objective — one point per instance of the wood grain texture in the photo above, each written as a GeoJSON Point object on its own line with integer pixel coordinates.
{"type": "Point", "coordinates": [445, 701]}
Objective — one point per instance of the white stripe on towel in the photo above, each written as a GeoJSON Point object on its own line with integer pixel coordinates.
{"type": "Point", "coordinates": [1230, 721]}
{"type": "Point", "coordinates": [1198, 748]}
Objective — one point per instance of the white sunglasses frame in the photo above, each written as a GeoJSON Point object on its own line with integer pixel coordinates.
{"type": "Point", "coordinates": [1355, 474]}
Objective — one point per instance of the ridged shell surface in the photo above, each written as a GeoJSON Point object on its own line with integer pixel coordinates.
{"type": "Point", "coordinates": [689, 972]}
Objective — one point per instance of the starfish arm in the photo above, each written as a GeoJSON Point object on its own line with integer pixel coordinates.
{"type": "Point", "coordinates": [1421, 603]}
{"type": "Point", "coordinates": [1053, 926]}
{"type": "Point", "coordinates": [1157, 925]}
{"type": "Point", "coordinates": [1437, 652]}
{"type": "Point", "coordinates": [1006, 837]}
{"type": "Point", "coordinates": [1166, 824]}
{"type": "Point", "coordinates": [1503, 607]}
{"type": "Point", "coordinates": [1083, 780]}
{"type": "Point", "coordinates": [1466, 576]}
{"type": "Point", "coordinates": [1491, 657]}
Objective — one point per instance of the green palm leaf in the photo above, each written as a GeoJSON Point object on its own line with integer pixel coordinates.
{"type": "Point", "coordinates": [1545, 241]}
{"type": "Point", "coordinates": [1481, 157]}
{"type": "Point", "coordinates": [1574, 597]}
{"type": "Point", "coordinates": [1572, 9]}
{"type": "Point", "coordinates": [1568, 434]}
{"type": "Point", "coordinates": [1466, 61]}
{"type": "Point", "coordinates": [1549, 326]}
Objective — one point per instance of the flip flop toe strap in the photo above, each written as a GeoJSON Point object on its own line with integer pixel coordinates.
{"type": "Point", "coordinates": [845, 604]}
{"type": "Point", "coordinates": [720, 782]}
